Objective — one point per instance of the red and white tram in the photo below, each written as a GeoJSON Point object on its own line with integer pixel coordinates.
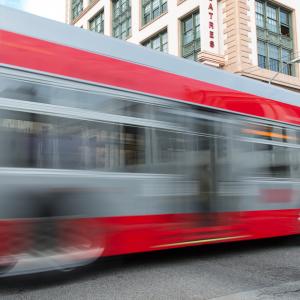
{"type": "Point", "coordinates": [109, 148]}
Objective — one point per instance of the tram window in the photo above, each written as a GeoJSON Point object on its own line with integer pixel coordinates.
{"type": "Point", "coordinates": [175, 152]}
{"type": "Point", "coordinates": [206, 126]}
{"type": "Point", "coordinates": [101, 102]}
{"type": "Point", "coordinates": [30, 140]}
{"type": "Point", "coordinates": [262, 147]}
{"type": "Point", "coordinates": [178, 114]}
{"type": "Point", "coordinates": [171, 146]}
{"type": "Point", "coordinates": [264, 160]}
{"type": "Point", "coordinates": [297, 133]}
{"type": "Point", "coordinates": [134, 146]}
{"type": "Point", "coordinates": [281, 162]}
{"type": "Point", "coordinates": [98, 102]}
{"type": "Point", "coordinates": [16, 89]}
{"type": "Point", "coordinates": [50, 94]}
{"type": "Point", "coordinates": [114, 147]}
{"type": "Point", "coordinates": [295, 163]}
{"type": "Point", "coordinates": [270, 133]}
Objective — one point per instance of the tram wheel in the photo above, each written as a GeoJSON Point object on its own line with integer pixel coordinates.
{"type": "Point", "coordinates": [6, 267]}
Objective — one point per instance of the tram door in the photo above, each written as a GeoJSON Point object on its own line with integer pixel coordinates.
{"type": "Point", "coordinates": [226, 154]}
{"type": "Point", "coordinates": [206, 174]}
{"type": "Point", "coordinates": [214, 170]}
{"type": "Point", "coordinates": [205, 171]}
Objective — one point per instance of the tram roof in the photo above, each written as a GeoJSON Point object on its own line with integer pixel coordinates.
{"type": "Point", "coordinates": [16, 21]}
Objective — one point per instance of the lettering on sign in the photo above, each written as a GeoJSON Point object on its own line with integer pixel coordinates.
{"type": "Point", "coordinates": [211, 24]}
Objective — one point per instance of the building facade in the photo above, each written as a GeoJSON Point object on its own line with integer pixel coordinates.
{"type": "Point", "coordinates": [254, 38]}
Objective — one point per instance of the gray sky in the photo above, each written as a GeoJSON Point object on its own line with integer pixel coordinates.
{"type": "Point", "coordinates": [51, 9]}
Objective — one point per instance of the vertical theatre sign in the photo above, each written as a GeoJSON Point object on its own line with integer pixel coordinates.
{"type": "Point", "coordinates": [211, 23]}
{"type": "Point", "coordinates": [209, 13]}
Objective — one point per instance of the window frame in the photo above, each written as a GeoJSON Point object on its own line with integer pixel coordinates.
{"type": "Point", "coordinates": [162, 8]}
{"type": "Point", "coordinates": [275, 39]}
{"type": "Point", "coordinates": [195, 40]}
{"type": "Point", "coordinates": [159, 35]}
{"type": "Point", "coordinates": [76, 8]}
{"type": "Point", "coordinates": [120, 17]}
{"type": "Point", "coordinates": [100, 14]}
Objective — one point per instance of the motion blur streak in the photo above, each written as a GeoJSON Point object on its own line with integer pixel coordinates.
{"type": "Point", "coordinates": [42, 244]}
{"type": "Point", "coordinates": [90, 170]}
{"type": "Point", "coordinates": [269, 134]}
{"type": "Point", "coordinates": [203, 241]}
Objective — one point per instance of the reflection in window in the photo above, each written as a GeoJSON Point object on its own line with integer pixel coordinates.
{"type": "Point", "coordinates": [29, 140]}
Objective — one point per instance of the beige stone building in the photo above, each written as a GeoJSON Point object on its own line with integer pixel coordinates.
{"type": "Point", "coordinates": [254, 38]}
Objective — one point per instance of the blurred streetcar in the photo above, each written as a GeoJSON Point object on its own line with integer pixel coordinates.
{"type": "Point", "coordinates": [106, 151]}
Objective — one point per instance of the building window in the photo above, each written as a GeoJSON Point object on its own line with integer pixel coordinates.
{"type": "Point", "coordinates": [77, 7]}
{"type": "Point", "coordinates": [121, 19]}
{"type": "Point", "coordinates": [152, 9]}
{"type": "Point", "coordinates": [158, 42]}
{"type": "Point", "coordinates": [190, 30]}
{"type": "Point", "coordinates": [97, 22]}
{"type": "Point", "coordinates": [275, 44]}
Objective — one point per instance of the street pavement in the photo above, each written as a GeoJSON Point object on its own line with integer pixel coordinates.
{"type": "Point", "coordinates": [267, 269]}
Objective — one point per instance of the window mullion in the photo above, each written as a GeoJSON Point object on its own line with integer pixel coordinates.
{"type": "Point", "coordinates": [268, 56]}
{"type": "Point", "coordinates": [278, 21]}
{"type": "Point", "coordinates": [276, 37]}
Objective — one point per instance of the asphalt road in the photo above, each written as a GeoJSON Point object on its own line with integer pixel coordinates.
{"type": "Point", "coordinates": [268, 269]}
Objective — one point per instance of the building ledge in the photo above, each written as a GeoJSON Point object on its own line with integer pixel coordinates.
{"type": "Point", "coordinates": [279, 79]}
{"type": "Point", "coordinates": [211, 59]}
